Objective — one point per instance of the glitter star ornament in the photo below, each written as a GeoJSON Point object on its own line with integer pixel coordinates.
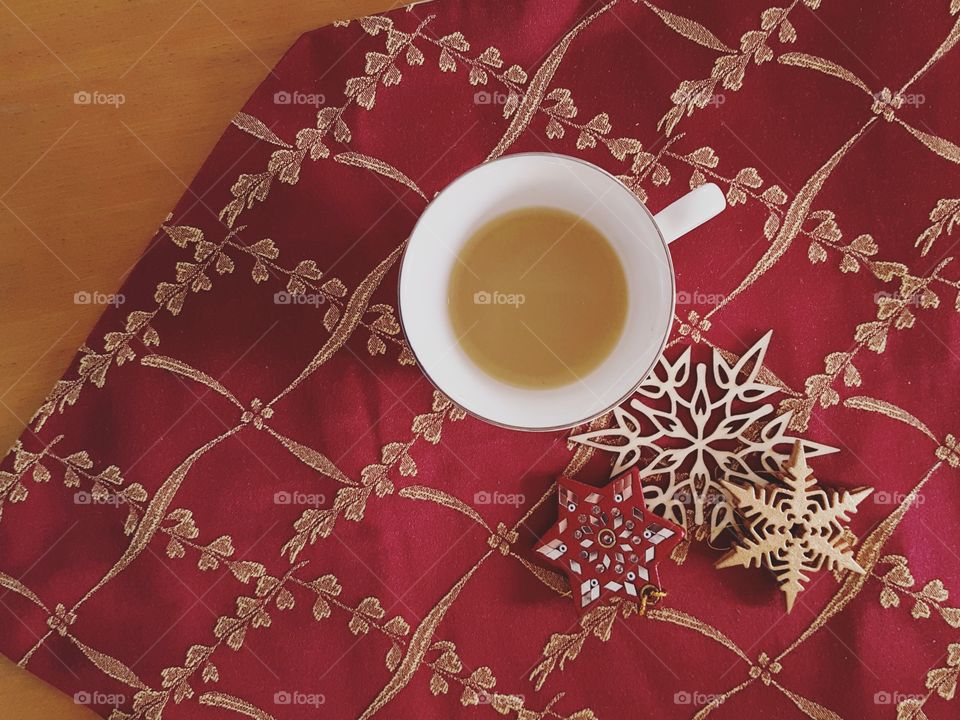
{"type": "Point", "coordinates": [607, 542]}
{"type": "Point", "coordinates": [794, 528]}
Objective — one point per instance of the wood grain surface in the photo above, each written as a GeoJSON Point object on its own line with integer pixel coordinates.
{"type": "Point", "coordinates": [84, 186]}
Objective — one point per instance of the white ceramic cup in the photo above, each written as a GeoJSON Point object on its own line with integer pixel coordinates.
{"type": "Point", "coordinates": [545, 180]}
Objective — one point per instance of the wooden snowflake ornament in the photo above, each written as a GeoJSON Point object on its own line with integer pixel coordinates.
{"type": "Point", "coordinates": [692, 424]}
{"type": "Point", "coordinates": [607, 542]}
{"type": "Point", "coordinates": [794, 528]}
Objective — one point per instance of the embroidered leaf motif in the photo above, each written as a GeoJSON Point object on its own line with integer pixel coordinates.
{"type": "Point", "coordinates": [943, 680]}
{"type": "Point", "coordinates": [257, 128]}
{"type": "Point", "coordinates": [414, 56]}
{"type": "Point", "coordinates": [375, 24]}
{"type": "Point", "coordinates": [729, 69]}
{"type": "Point", "coordinates": [691, 30]}
{"type": "Point", "coordinates": [563, 648]}
{"type": "Point", "coordinates": [898, 580]}
{"type": "Point", "coordinates": [447, 63]}
{"type": "Point", "coordinates": [945, 216]}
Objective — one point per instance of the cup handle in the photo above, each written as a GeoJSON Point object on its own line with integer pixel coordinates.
{"type": "Point", "coordinates": [690, 211]}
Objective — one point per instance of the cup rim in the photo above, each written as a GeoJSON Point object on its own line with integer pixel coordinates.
{"type": "Point", "coordinates": [663, 341]}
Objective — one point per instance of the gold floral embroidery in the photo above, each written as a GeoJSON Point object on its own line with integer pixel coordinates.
{"type": "Point", "coordinates": [284, 164]}
{"type": "Point", "coordinates": [886, 104]}
{"type": "Point", "coordinates": [351, 501]}
{"type": "Point", "coordinates": [949, 452]}
{"type": "Point", "coordinates": [690, 29]}
{"type": "Point", "coordinates": [564, 647]}
{"type": "Point", "coordinates": [826, 234]}
{"type": "Point", "coordinates": [235, 704]}
{"type": "Point", "coordinates": [419, 492]}
{"type": "Point", "coordinates": [267, 593]}
{"type": "Point", "coordinates": [941, 681]}
{"type": "Point", "coordinates": [694, 326]}
{"type": "Point", "coordinates": [793, 219]}
{"type": "Point", "coordinates": [61, 619]}
{"type": "Point", "coordinates": [502, 539]}
{"type": "Point", "coordinates": [728, 69]}
{"type": "Point", "coordinates": [812, 62]}
{"type": "Point", "coordinates": [945, 217]}
{"type": "Point", "coordinates": [898, 581]}
{"type": "Point", "coordinates": [538, 87]}
{"type": "Point", "coordinates": [895, 311]}
{"type": "Point", "coordinates": [190, 277]}
{"type": "Point", "coordinates": [107, 485]}
{"type": "Point", "coordinates": [453, 48]}
{"type": "Point", "coordinates": [477, 687]}
{"type": "Point", "coordinates": [360, 160]}
{"type": "Point", "coordinates": [892, 411]}
{"type": "Point", "coordinates": [93, 367]}
{"type": "Point", "coordinates": [257, 414]}
{"type": "Point", "coordinates": [765, 669]}
{"type": "Point", "coordinates": [944, 680]}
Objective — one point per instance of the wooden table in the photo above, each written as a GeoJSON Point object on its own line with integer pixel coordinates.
{"type": "Point", "coordinates": [84, 186]}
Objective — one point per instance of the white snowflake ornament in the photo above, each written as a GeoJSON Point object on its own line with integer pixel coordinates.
{"type": "Point", "coordinates": [710, 428]}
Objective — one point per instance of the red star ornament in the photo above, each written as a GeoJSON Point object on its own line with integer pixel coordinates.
{"type": "Point", "coordinates": [606, 540]}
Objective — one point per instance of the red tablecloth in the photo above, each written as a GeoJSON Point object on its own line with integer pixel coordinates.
{"type": "Point", "coordinates": [233, 505]}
